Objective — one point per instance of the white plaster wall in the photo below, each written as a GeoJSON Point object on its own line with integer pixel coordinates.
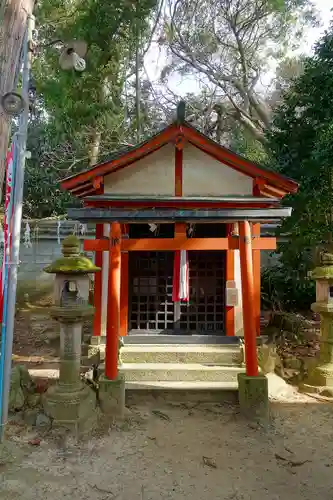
{"type": "Point", "coordinates": [105, 279]}
{"type": "Point", "coordinates": [205, 176]}
{"type": "Point", "coordinates": [152, 175]}
{"type": "Point", "coordinates": [239, 329]}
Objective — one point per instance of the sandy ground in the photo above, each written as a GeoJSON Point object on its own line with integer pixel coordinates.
{"type": "Point", "coordinates": [183, 452]}
{"type": "Point", "coordinates": [172, 451]}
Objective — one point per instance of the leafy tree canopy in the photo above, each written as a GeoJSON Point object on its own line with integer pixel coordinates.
{"type": "Point", "coordinates": [81, 117]}
{"type": "Point", "coordinates": [301, 147]}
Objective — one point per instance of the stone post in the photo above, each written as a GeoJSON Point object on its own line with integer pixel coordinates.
{"type": "Point", "coordinates": [70, 353]}
{"type": "Point", "coordinates": [320, 379]}
{"type": "Point", "coordinates": [71, 403]}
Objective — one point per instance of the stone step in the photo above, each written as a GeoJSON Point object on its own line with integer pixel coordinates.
{"type": "Point", "coordinates": [218, 354]}
{"type": "Point", "coordinates": [189, 372]}
{"type": "Point", "coordinates": [181, 392]}
{"type": "Point", "coordinates": [178, 384]}
{"type": "Point", "coordinates": [179, 339]}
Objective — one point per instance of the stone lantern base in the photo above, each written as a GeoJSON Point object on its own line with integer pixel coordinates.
{"type": "Point", "coordinates": [320, 381]}
{"type": "Point", "coordinates": [72, 410]}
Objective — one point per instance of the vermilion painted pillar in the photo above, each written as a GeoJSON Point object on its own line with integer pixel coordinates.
{"type": "Point", "coordinates": [113, 313]}
{"type": "Point", "coordinates": [250, 336]}
{"type": "Point", "coordinates": [124, 288]}
{"type": "Point", "coordinates": [257, 278]}
{"type": "Point", "coordinates": [98, 286]}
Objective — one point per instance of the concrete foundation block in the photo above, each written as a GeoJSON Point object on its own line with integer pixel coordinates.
{"type": "Point", "coordinates": [72, 410]}
{"type": "Point", "coordinates": [112, 396]}
{"type": "Point", "coordinates": [253, 396]}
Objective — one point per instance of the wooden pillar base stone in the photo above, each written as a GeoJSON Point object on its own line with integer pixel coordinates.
{"type": "Point", "coordinates": [253, 396]}
{"type": "Point", "coordinates": [112, 396]}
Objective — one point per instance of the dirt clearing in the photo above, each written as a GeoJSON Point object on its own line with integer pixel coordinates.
{"type": "Point", "coordinates": [183, 452]}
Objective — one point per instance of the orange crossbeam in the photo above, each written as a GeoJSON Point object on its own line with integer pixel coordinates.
{"type": "Point", "coordinates": [178, 243]}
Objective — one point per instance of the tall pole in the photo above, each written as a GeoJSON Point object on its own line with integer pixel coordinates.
{"type": "Point", "coordinates": [113, 319]}
{"type": "Point", "coordinates": [17, 220]}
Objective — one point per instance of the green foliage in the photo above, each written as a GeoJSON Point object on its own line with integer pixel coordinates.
{"type": "Point", "coordinates": [282, 289]}
{"type": "Point", "coordinates": [301, 147]}
{"type": "Point", "coordinates": [92, 98]}
{"type": "Point", "coordinates": [243, 143]}
{"type": "Point", "coordinates": [80, 117]}
{"type": "Point", "coordinates": [52, 158]}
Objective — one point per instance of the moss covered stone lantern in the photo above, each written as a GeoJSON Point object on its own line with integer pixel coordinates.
{"type": "Point", "coordinates": [320, 379]}
{"type": "Point", "coordinates": [71, 403]}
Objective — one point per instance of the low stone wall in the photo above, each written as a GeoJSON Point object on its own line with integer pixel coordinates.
{"type": "Point", "coordinates": [43, 244]}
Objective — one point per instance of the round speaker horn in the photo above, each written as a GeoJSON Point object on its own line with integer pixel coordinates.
{"type": "Point", "coordinates": [12, 103]}
{"type": "Point", "coordinates": [68, 56]}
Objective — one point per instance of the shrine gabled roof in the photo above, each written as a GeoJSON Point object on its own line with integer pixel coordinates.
{"type": "Point", "coordinates": [88, 182]}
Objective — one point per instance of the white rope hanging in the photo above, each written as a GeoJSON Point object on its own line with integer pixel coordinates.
{"type": "Point", "coordinates": [83, 229]}
{"type": "Point", "coordinates": [27, 236]}
{"type": "Point", "coordinates": [58, 232]}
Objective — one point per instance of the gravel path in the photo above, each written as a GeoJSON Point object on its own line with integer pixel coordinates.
{"type": "Point", "coordinates": [183, 452]}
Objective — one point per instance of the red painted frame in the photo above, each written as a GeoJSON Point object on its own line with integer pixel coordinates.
{"type": "Point", "coordinates": [265, 179]}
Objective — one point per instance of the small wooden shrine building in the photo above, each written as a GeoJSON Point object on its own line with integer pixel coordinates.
{"type": "Point", "coordinates": [178, 238]}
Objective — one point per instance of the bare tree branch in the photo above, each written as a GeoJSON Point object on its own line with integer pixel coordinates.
{"type": "Point", "coordinates": [227, 43]}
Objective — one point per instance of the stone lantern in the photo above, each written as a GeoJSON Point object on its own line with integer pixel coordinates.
{"type": "Point", "coordinates": [71, 403]}
{"type": "Point", "coordinates": [320, 379]}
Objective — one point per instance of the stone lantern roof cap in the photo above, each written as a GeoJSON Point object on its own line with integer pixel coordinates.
{"type": "Point", "coordinates": [72, 262]}
{"type": "Point", "coordinates": [322, 273]}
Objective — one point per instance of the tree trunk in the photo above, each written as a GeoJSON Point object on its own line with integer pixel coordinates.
{"type": "Point", "coordinates": [94, 148]}
{"type": "Point", "coordinates": [13, 20]}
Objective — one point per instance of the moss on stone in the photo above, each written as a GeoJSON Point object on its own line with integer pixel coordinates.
{"type": "Point", "coordinates": [322, 272]}
{"type": "Point", "coordinates": [78, 264]}
{"type": "Point", "coordinates": [71, 241]}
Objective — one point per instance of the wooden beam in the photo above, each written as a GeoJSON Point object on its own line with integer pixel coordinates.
{"type": "Point", "coordinates": [178, 172]}
{"type": "Point", "coordinates": [113, 313]}
{"type": "Point", "coordinates": [256, 277]}
{"type": "Point", "coordinates": [180, 231]}
{"type": "Point", "coordinates": [160, 216]}
{"type": "Point", "coordinates": [181, 203]}
{"type": "Point", "coordinates": [250, 336]}
{"type": "Point", "coordinates": [178, 243]}
{"type": "Point", "coordinates": [262, 188]}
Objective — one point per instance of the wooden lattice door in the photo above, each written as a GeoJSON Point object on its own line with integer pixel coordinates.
{"type": "Point", "coordinates": [205, 312]}
{"type": "Point", "coordinates": [150, 298]}
{"type": "Point", "coordinates": [151, 309]}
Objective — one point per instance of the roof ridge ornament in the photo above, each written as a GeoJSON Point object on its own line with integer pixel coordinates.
{"type": "Point", "coordinates": [181, 112]}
